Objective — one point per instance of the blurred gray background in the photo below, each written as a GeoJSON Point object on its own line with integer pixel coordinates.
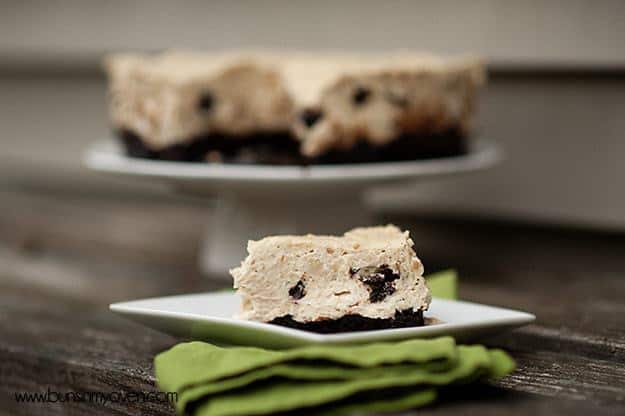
{"type": "Point", "coordinates": [555, 101]}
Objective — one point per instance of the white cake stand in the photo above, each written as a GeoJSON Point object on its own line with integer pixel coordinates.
{"type": "Point", "coordinates": [256, 200]}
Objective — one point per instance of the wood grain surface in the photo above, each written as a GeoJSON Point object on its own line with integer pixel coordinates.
{"type": "Point", "coordinates": [65, 255]}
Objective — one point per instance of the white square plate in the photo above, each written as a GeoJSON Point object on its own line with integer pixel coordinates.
{"type": "Point", "coordinates": [208, 317]}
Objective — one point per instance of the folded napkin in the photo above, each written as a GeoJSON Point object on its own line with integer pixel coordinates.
{"type": "Point", "coordinates": [378, 377]}
{"type": "Point", "coordinates": [443, 284]}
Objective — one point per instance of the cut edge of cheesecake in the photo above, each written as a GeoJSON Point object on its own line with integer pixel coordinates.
{"type": "Point", "coordinates": [177, 98]}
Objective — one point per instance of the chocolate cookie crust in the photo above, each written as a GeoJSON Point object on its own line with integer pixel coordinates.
{"type": "Point", "coordinates": [268, 148]}
{"type": "Point", "coordinates": [281, 149]}
{"type": "Point", "coordinates": [350, 323]}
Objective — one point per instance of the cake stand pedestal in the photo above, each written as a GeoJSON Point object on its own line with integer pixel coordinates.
{"type": "Point", "coordinates": [239, 218]}
{"type": "Point", "coordinates": [258, 200]}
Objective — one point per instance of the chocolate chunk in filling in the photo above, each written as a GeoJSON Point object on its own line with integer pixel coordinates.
{"type": "Point", "coordinates": [205, 104]}
{"type": "Point", "coordinates": [298, 291]}
{"type": "Point", "coordinates": [310, 117]}
{"type": "Point", "coordinates": [361, 95]}
{"type": "Point", "coordinates": [378, 279]}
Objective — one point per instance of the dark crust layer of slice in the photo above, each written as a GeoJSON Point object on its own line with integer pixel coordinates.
{"type": "Point", "coordinates": [266, 148]}
{"type": "Point", "coordinates": [281, 149]}
{"type": "Point", "coordinates": [407, 147]}
{"type": "Point", "coordinates": [351, 323]}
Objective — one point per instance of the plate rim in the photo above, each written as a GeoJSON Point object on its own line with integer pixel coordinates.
{"type": "Point", "coordinates": [124, 309]}
{"type": "Point", "coordinates": [106, 156]}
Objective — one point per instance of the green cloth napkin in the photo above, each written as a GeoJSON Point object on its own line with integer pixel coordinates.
{"type": "Point", "coordinates": [218, 381]}
{"type": "Point", "coordinates": [443, 284]}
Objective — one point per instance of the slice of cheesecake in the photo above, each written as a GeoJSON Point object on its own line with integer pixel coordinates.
{"type": "Point", "coordinates": [197, 106]}
{"type": "Point", "coordinates": [382, 107]}
{"type": "Point", "coordinates": [369, 278]}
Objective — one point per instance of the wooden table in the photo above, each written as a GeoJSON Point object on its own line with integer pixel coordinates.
{"type": "Point", "coordinates": [65, 255]}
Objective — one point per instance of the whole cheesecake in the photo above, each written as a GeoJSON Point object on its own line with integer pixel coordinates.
{"type": "Point", "coordinates": [369, 278]}
{"type": "Point", "coordinates": [293, 108]}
